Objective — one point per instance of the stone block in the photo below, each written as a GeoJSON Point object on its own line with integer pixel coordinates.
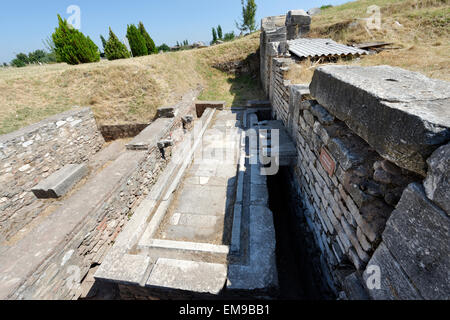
{"type": "Point", "coordinates": [309, 118]}
{"type": "Point", "coordinates": [437, 184]}
{"type": "Point", "coordinates": [351, 234]}
{"type": "Point", "coordinates": [198, 277]}
{"type": "Point", "coordinates": [372, 219]}
{"type": "Point", "coordinates": [354, 287]}
{"type": "Point", "coordinates": [322, 115]}
{"type": "Point", "coordinates": [363, 240]}
{"type": "Point", "coordinates": [354, 258]}
{"type": "Point", "coordinates": [297, 17]}
{"type": "Point", "coordinates": [166, 112]}
{"type": "Point", "coordinates": [59, 183]}
{"type": "Point", "coordinates": [395, 285]}
{"type": "Point", "coordinates": [349, 151]}
{"type": "Point", "coordinates": [404, 126]}
{"type": "Point", "coordinates": [417, 235]}
{"type": "Point", "coordinates": [201, 106]}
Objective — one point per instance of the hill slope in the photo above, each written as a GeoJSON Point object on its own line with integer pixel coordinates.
{"type": "Point", "coordinates": [123, 91]}
{"type": "Point", "coordinates": [419, 29]}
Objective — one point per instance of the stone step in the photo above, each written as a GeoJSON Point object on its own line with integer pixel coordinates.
{"type": "Point", "coordinates": [151, 135]}
{"type": "Point", "coordinates": [59, 183]}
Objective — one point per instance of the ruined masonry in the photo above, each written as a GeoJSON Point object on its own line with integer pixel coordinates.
{"type": "Point", "coordinates": [183, 208]}
{"type": "Point", "coordinates": [372, 172]}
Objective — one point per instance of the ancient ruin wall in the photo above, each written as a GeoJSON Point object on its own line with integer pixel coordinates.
{"type": "Point", "coordinates": [361, 208]}
{"type": "Point", "coordinates": [33, 153]}
{"type": "Point", "coordinates": [68, 272]}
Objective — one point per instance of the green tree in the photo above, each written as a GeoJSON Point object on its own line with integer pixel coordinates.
{"type": "Point", "coordinates": [164, 47]}
{"type": "Point", "coordinates": [37, 56]}
{"type": "Point", "coordinates": [248, 21]}
{"type": "Point", "coordinates": [229, 36]}
{"type": "Point", "coordinates": [214, 34]}
{"type": "Point", "coordinates": [114, 49]}
{"type": "Point", "coordinates": [137, 41]}
{"type": "Point", "coordinates": [150, 44]}
{"type": "Point", "coordinates": [103, 41]}
{"type": "Point", "coordinates": [20, 61]}
{"type": "Point", "coordinates": [219, 32]}
{"type": "Point", "coordinates": [72, 47]}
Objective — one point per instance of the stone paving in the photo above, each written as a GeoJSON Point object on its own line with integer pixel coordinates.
{"type": "Point", "coordinates": [206, 229]}
{"type": "Point", "coordinates": [204, 201]}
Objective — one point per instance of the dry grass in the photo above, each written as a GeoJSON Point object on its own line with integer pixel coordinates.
{"type": "Point", "coordinates": [419, 28]}
{"type": "Point", "coordinates": [122, 91]}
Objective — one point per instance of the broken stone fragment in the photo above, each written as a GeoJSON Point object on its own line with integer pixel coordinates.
{"type": "Point", "coordinates": [437, 184]}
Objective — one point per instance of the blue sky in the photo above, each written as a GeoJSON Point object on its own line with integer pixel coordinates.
{"type": "Point", "coordinates": [24, 24]}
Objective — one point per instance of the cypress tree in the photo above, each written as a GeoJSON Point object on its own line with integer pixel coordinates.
{"type": "Point", "coordinates": [114, 49]}
{"type": "Point", "coordinates": [71, 46]}
{"type": "Point", "coordinates": [137, 41]}
{"type": "Point", "coordinates": [150, 44]}
{"type": "Point", "coordinates": [214, 34]}
{"type": "Point", "coordinates": [219, 32]}
{"type": "Point", "coordinates": [103, 41]}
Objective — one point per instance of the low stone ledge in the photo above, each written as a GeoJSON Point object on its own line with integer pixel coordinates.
{"type": "Point", "coordinates": [59, 183]}
{"type": "Point", "coordinates": [404, 125]}
{"type": "Point", "coordinates": [201, 106]}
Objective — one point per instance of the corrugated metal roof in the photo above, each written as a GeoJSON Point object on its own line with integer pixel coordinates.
{"type": "Point", "coordinates": [316, 48]}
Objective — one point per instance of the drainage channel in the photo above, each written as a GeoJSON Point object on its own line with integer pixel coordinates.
{"type": "Point", "coordinates": [296, 275]}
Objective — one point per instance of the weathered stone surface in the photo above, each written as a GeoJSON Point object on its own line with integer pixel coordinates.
{"type": "Point", "coordinates": [59, 183]}
{"type": "Point", "coordinates": [354, 288]}
{"type": "Point", "coordinates": [298, 17]}
{"type": "Point", "coordinates": [395, 284]}
{"type": "Point", "coordinates": [309, 118]}
{"type": "Point", "coordinates": [166, 112]}
{"type": "Point", "coordinates": [201, 106]}
{"type": "Point", "coordinates": [260, 272]}
{"type": "Point", "coordinates": [349, 151]}
{"type": "Point", "coordinates": [322, 115]}
{"type": "Point", "coordinates": [372, 220]}
{"type": "Point", "coordinates": [150, 136]}
{"type": "Point", "coordinates": [417, 235]}
{"type": "Point", "coordinates": [198, 277]}
{"type": "Point", "coordinates": [437, 184]}
{"type": "Point", "coordinates": [404, 115]}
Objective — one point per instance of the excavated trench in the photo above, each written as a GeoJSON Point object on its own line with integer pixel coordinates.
{"type": "Point", "coordinates": [298, 279]}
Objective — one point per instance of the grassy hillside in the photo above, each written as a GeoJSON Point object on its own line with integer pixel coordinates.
{"type": "Point", "coordinates": [130, 90]}
{"type": "Point", "coordinates": [419, 28]}
{"type": "Point", "coordinates": [123, 91]}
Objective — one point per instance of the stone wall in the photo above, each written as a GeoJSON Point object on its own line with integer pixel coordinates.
{"type": "Point", "coordinates": [121, 131]}
{"type": "Point", "coordinates": [358, 183]}
{"type": "Point", "coordinates": [68, 272]}
{"type": "Point", "coordinates": [31, 154]}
